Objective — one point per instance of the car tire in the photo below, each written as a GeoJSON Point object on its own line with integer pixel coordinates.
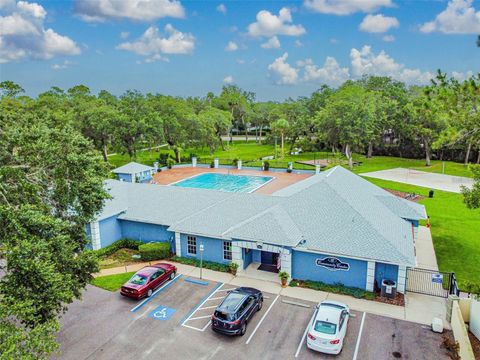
{"type": "Point", "coordinates": [149, 292]}
{"type": "Point", "coordinates": [243, 330]}
{"type": "Point", "coordinates": [260, 304]}
{"type": "Point", "coordinates": [172, 276]}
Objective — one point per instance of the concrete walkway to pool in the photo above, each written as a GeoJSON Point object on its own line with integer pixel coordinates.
{"type": "Point", "coordinates": [282, 179]}
{"type": "Point", "coordinates": [422, 178]}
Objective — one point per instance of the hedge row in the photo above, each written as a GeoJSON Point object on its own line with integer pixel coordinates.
{"type": "Point", "coordinates": [154, 251]}
{"type": "Point", "coordinates": [205, 264]}
{"type": "Point", "coordinates": [335, 288]}
{"type": "Point", "coordinates": [117, 245]}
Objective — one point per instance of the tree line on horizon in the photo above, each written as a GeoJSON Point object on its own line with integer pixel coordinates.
{"type": "Point", "coordinates": [372, 115]}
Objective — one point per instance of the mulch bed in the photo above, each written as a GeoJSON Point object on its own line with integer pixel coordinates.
{"type": "Point", "coordinates": [399, 299]}
{"type": "Point", "coordinates": [405, 195]}
{"type": "Point", "coordinates": [475, 345]}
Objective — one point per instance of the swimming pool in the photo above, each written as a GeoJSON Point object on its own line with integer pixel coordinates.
{"type": "Point", "coordinates": [224, 182]}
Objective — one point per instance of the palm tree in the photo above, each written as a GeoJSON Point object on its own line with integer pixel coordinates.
{"type": "Point", "coordinates": [281, 126]}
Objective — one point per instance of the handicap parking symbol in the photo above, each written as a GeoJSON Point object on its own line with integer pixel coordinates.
{"type": "Point", "coordinates": [162, 313]}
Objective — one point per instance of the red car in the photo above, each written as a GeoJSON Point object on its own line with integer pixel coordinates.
{"type": "Point", "coordinates": [146, 280]}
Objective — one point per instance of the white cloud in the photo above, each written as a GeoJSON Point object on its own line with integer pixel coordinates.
{"type": "Point", "coordinates": [222, 9]}
{"type": "Point", "coordinates": [153, 46]}
{"type": "Point", "coordinates": [228, 79]}
{"type": "Point", "coordinates": [268, 24]}
{"type": "Point", "coordinates": [282, 72]}
{"type": "Point", "coordinates": [333, 41]}
{"type": "Point", "coordinates": [460, 76]}
{"type": "Point", "coordinates": [124, 35]}
{"type": "Point", "coordinates": [22, 34]}
{"type": "Point", "coordinates": [388, 38]}
{"type": "Point", "coordinates": [458, 18]}
{"type": "Point", "coordinates": [331, 73]}
{"type": "Point", "coordinates": [365, 62]}
{"type": "Point", "coordinates": [378, 23]}
{"type": "Point", "coordinates": [298, 43]}
{"type": "Point", "coordinates": [272, 43]}
{"type": "Point", "coordinates": [62, 66]}
{"type": "Point", "coordinates": [240, 61]}
{"type": "Point", "coordinates": [138, 10]}
{"type": "Point", "coordinates": [231, 46]}
{"type": "Point", "coordinates": [346, 7]}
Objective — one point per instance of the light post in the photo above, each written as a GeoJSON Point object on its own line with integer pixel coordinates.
{"type": "Point", "coordinates": [201, 259]}
{"type": "Point", "coordinates": [275, 146]}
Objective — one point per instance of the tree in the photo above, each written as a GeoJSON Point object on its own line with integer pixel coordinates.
{"type": "Point", "coordinates": [214, 122]}
{"type": "Point", "coordinates": [471, 197]}
{"type": "Point", "coordinates": [10, 89]}
{"type": "Point", "coordinates": [51, 185]}
{"type": "Point", "coordinates": [280, 127]}
{"type": "Point", "coordinates": [346, 118]}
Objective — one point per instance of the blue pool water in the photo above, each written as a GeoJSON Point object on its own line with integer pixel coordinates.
{"type": "Point", "coordinates": [223, 182]}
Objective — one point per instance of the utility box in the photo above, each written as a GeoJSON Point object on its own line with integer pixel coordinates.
{"type": "Point", "coordinates": [389, 289]}
{"type": "Point", "coordinates": [430, 193]}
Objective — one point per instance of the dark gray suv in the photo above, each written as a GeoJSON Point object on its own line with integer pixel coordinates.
{"type": "Point", "coordinates": [236, 310]}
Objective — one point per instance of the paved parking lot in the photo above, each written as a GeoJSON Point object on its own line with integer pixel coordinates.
{"type": "Point", "coordinates": [174, 324]}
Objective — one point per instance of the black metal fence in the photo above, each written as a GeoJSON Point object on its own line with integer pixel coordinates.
{"type": "Point", "coordinates": [431, 282]}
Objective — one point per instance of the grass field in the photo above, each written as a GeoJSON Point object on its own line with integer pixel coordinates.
{"type": "Point", "coordinates": [112, 282]}
{"type": "Point", "coordinates": [455, 230]}
{"type": "Point", "coordinates": [251, 153]}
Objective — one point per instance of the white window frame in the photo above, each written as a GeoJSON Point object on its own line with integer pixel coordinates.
{"type": "Point", "coordinates": [227, 248]}
{"type": "Point", "coordinates": [191, 243]}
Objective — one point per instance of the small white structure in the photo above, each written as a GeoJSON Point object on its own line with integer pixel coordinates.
{"type": "Point", "coordinates": [317, 169]}
{"type": "Point", "coordinates": [239, 164]}
{"type": "Point", "coordinates": [194, 161]}
{"type": "Point", "coordinates": [215, 163]}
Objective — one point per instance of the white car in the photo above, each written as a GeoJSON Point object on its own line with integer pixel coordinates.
{"type": "Point", "coordinates": [328, 328]}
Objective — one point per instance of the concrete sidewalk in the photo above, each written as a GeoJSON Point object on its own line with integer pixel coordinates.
{"type": "Point", "coordinates": [418, 308]}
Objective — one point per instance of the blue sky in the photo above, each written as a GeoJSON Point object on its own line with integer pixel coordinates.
{"type": "Point", "coordinates": [182, 47]}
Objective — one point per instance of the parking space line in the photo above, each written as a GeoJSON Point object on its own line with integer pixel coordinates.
{"type": "Point", "coordinates": [164, 286]}
{"type": "Point", "coordinates": [208, 323]}
{"type": "Point", "coordinates": [215, 298]}
{"type": "Point", "coordinates": [207, 307]}
{"type": "Point", "coordinates": [226, 289]}
{"type": "Point", "coordinates": [200, 317]}
{"type": "Point", "coordinates": [359, 338]}
{"type": "Point", "coordinates": [205, 299]}
{"type": "Point", "coordinates": [302, 340]}
{"type": "Point", "coordinates": [261, 320]}
{"type": "Point", "coordinates": [191, 327]}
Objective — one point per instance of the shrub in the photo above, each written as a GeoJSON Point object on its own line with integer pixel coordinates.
{"type": "Point", "coordinates": [117, 245]}
{"type": "Point", "coordinates": [162, 158]}
{"type": "Point", "coordinates": [170, 163]}
{"type": "Point", "coordinates": [283, 275]}
{"type": "Point", "coordinates": [212, 165]}
{"type": "Point", "coordinates": [205, 264]}
{"type": "Point", "coordinates": [334, 288]}
{"type": "Point", "coordinates": [233, 268]}
{"type": "Point", "coordinates": [266, 165]}
{"type": "Point", "coordinates": [154, 251]}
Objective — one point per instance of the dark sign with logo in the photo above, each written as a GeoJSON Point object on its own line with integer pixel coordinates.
{"type": "Point", "coordinates": [332, 263]}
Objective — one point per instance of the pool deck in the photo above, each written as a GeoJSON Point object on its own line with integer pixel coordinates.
{"type": "Point", "coordinates": [282, 179]}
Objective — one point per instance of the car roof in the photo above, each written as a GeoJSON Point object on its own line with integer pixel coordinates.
{"type": "Point", "coordinates": [329, 312]}
{"type": "Point", "coordinates": [147, 270]}
{"type": "Point", "coordinates": [232, 301]}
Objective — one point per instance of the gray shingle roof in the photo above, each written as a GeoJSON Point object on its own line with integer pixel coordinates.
{"type": "Point", "coordinates": [336, 212]}
{"type": "Point", "coordinates": [132, 168]}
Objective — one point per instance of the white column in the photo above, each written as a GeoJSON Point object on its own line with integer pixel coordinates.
{"type": "Point", "coordinates": [402, 279]}
{"type": "Point", "coordinates": [286, 261]}
{"type": "Point", "coordinates": [95, 234]}
{"type": "Point", "coordinates": [178, 244]}
{"type": "Point", "coordinates": [194, 161]}
{"type": "Point", "coordinates": [370, 276]}
{"type": "Point", "coordinates": [237, 257]}
{"type": "Point", "coordinates": [415, 233]}
{"type": "Point", "coordinates": [317, 169]}
{"type": "Point", "coordinates": [215, 163]}
{"type": "Point", "coordinates": [239, 164]}
{"type": "Point", "coordinates": [133, 178]}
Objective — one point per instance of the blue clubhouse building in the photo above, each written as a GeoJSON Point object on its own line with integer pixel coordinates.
{"type": "Point", "coordinates": [333, 227]}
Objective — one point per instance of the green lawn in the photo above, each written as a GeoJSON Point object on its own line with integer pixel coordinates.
{"type": "Point", "coordinates": [455, 230]}
{"type": "Point", "coordinates": [112, 282]}
{"type": "Point", "coordinates": [251, 153]}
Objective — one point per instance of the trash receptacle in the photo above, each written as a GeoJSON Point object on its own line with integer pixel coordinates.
{"type": "Point", "coordinates": [430, 193]}
{"type": "Point", "coordinates": [389, 289]}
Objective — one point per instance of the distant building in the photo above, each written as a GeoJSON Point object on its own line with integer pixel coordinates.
{"type": "Point", "coordinates": [135, 173]}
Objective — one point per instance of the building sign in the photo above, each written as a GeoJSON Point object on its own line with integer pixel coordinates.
{"type": "Point", "coordinates": [437, 278]}
{"type": "Point", "coordinates": [332, 263]}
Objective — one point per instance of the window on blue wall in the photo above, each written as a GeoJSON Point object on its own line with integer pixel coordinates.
{"type": "Point", "coordinates": [227, 250]}
{"type": "Point", "coordinates": [191, 245]}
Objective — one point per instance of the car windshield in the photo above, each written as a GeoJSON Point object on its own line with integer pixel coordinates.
{"type": "Point", "coordinates": [138, 279]}
{"type": "Point", "coordinates": [224, 316]}
{"type": "Point", "coordinates": [325, 327]}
